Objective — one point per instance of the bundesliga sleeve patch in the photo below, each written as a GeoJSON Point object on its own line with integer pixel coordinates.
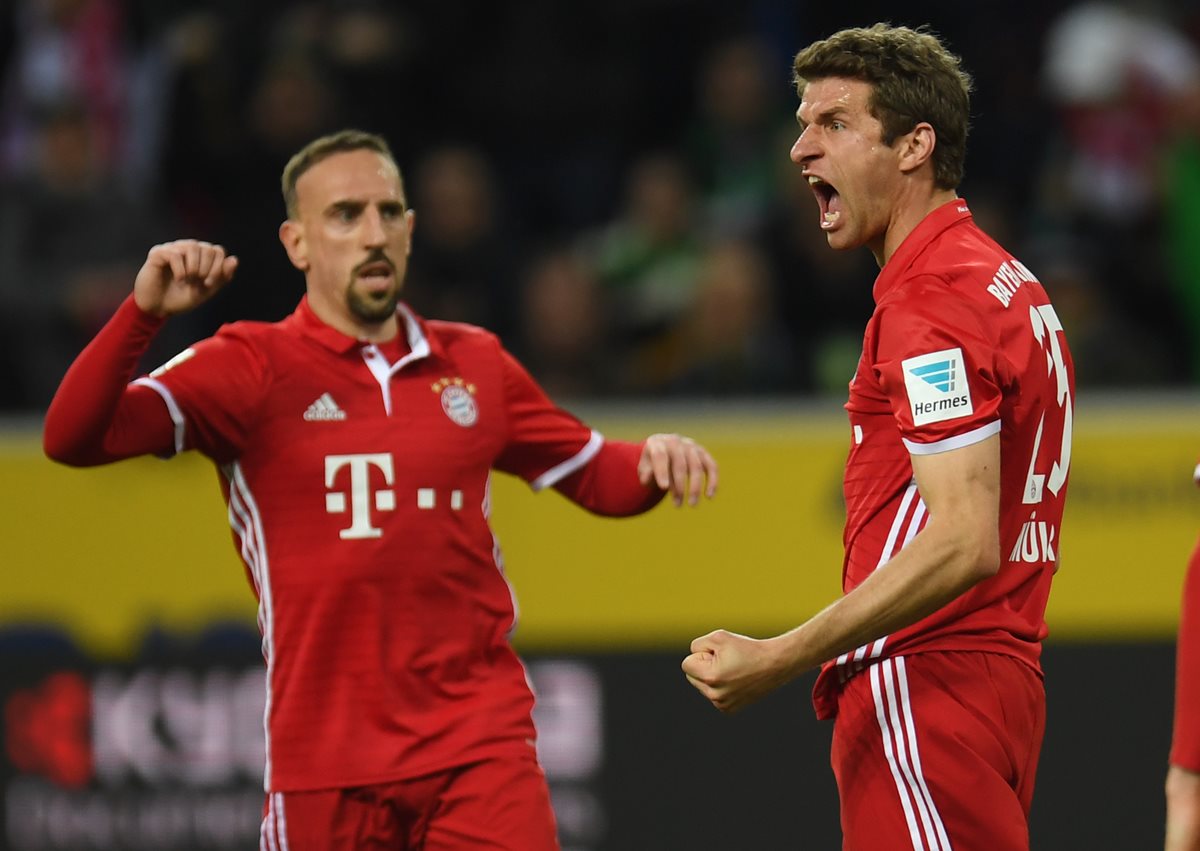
{"type": "Point", "coordinates": [937, 386]}
{"type": "Point", "coordinates": [186, 354]}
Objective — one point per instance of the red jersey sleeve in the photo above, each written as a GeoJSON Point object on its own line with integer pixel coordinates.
{"type": "Point", "coordinates": [549, 447]}
{"type": "Point", "coordinates": [96, 416]}
{"type": "Point", "coordinates": [935, 363]}
{"type": "Point", "coordinates": [214, 391]}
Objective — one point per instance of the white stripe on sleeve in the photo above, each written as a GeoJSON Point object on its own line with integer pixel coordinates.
{"type": "Point", "coordinates": [172, 407]}
{"type": "Point", "coordinates": [958, 441]}
{"type": "Point", "coordinates": [560, 471]}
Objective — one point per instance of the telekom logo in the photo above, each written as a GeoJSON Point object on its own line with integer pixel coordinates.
{"type": "Point", "coordinates": [361, 494]}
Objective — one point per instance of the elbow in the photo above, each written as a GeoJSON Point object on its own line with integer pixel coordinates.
{"type": "Point", "coordinates": [983, 563]}
{"type": "Point", "coordinates": [987, 565]}
{"type": "Point", "coordinates": [58, 442]}
{"type": "Point", "coordinates": [56, 449]}
{"type": "Point", "coordinates": [64, 451]}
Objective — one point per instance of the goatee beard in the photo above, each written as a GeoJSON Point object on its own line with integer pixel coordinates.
{"type": "Point", "coordinates": [372, 310]}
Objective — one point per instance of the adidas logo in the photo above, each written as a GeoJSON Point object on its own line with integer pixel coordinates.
{"type": "Point", "coordinates": [324, 409]}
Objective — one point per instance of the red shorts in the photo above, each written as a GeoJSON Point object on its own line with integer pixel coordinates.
{"type": "Point", "coordinates": [498, 805]}
{"type": "Point", "coordinates": [1185, 739]}
{"type": "Point", "coordinates": [938, 751]}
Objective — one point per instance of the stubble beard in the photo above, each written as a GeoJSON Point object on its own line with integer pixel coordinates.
{"type": "Point", "coordinates": [372, 309]}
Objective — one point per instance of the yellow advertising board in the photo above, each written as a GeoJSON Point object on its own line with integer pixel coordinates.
{"type": "Point", "coordinates": [109, 551]}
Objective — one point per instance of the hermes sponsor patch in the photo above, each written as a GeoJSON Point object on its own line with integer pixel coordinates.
{"type": "Point", "coordinates": [937, 386]}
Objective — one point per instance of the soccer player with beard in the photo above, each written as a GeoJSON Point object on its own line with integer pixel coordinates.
{"type": "Point", "coordinates": [355, 442]}
{"type": "Point", "coordinates": [960, 423]}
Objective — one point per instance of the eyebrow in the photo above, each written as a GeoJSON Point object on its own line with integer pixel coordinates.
{"type": "Point", "coordinates": [830, 113]}
{"type": "Point", "coordinates": [345, 204]}
{"type": "Point", "coordinates": [355, 206]}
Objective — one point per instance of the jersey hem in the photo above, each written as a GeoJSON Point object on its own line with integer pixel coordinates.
{"type": "Point", "coordinates": [515, 748]}
{"type": "Point", "coordinates": [828, 688]}
{"type": "Point", "coordinates": [958, 441]}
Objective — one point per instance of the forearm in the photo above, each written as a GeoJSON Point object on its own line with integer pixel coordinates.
{"type": "Point", "coordinates": [609, 484]}
{"type": "Point", "coordinates": [935, 568]}
{"type": "Point", "coordinates": [1183, 810]}
{"type": "Point", "coordinates": [95, 417]}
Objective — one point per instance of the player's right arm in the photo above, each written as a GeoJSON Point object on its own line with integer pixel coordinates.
{"type": "Point", "coordinates": [96, 416]}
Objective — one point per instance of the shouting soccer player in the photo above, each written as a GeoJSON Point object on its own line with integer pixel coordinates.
{"type": "Point", "coordinates": [355, 442]}
{"type": "Point", "coordinates": [960, 424]}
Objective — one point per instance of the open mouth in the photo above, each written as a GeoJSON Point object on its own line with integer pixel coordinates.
{"type": "Point", "coordinates": [828, 200]}
{"type": "Point", "coordinates": [377, 272]}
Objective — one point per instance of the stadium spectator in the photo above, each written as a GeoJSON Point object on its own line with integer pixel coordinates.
{"type": "Point", "coordinates": [647, 259]}
{"type": "Point", "coordinates": [463, 265]}
{"type": "Point", "coordinates": [71, 236]}
{"type": "Point", "coordinates": [1114, 72]}
{"type": "Point", "coordinates": [1181, 213]}
{"type": "Point", "coordinates": [729, 341]}
{"type": "Point", "coordinates": [961, 412]}
{"type": "Point", "coordinates": [821, 299]}
{"type": "Point", "coordinates": [564, 323]}
{"type": "Point", "coordinates": [731, 143]}
{"type": "Point", "coordinates": [356, 442]}
{"type": "Point", "coordinates": [199, 105]}
{"type": "Point", "coordinates": [66, 51]}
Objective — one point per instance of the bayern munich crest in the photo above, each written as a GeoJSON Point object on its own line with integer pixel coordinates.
{"type": "Point", "coordinates": [458, 401]}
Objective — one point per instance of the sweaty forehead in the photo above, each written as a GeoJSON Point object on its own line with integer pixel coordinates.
{"type": "Point", "coordinates": [828, 94]}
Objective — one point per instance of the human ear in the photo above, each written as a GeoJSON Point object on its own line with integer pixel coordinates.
{"type": "Point", "coordinates": [917, 146]}
{"type": "Point", "coordinates": [291, 234]}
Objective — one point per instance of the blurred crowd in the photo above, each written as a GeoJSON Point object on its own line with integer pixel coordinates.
{"type": "Point", "coordinates": [607, 186]}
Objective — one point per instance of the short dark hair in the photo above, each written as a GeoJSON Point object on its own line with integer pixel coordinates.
{"type": "Point", "coordinates": [913, 78]}
{"type": "Point", "coordinates": [319, 149]}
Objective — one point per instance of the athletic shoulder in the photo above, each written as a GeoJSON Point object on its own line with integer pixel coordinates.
{"type": "Point", "coordinates": [252, 329]}
{"type": "Point", "coordinates": [966, 266]}
{"type": "Point", "coordinates": [462, 335]}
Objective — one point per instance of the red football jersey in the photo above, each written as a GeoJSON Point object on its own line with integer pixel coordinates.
{"type": "Point", "coordinates": [358, 497]}
{"type": "Point", "coordinates": [963, 344]}
{"type": "Point", "coordinates": [1185, 735]}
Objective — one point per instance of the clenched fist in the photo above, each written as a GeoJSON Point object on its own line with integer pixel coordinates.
{"type": "Point", "coordinates": [181, 275]}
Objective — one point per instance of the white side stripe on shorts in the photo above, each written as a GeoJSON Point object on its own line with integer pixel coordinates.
{"type": "Point", "coordinates": [281, 822]}
{"type": "Point", "coordinates": [893, 711]}
{"type": "Point", "coordinates": [273, 834]}
{"type": "Point", "coordinates": [266, 834]}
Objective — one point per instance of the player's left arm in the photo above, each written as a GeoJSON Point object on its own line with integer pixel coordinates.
{"type": "Point", "coordinates": [629, 478]}
{"type": "Point", "coordinates": [550, 447]}
{"type": "Point", "coordinates": [958, 548]}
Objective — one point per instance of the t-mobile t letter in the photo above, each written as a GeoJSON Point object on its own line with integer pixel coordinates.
{"type": "Point", "coordinates": [360, 491]}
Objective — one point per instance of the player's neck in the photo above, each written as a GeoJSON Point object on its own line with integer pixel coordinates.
{"type": "Point", "coordinates": [381, 332]}
{"type": "Point", "coordinates": [907, 214]}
